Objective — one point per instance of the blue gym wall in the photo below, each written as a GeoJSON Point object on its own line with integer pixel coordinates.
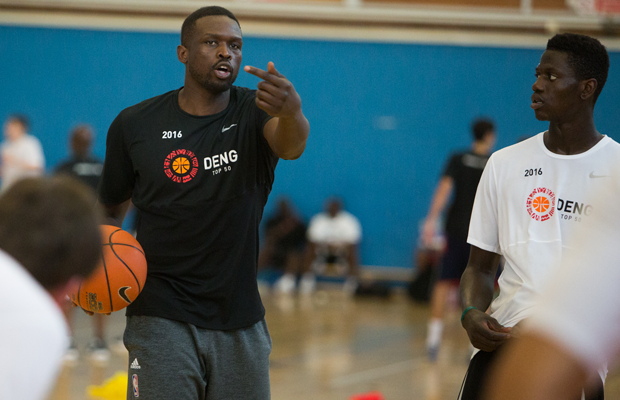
{"type": "Point", "coordinates": [383, 116]}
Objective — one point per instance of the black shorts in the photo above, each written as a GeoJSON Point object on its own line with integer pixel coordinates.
{"type": "Point", "coordinates": [454, 259]}
{"type": "Point", "coordinates": [479, 369]}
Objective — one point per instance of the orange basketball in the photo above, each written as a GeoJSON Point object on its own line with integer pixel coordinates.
{"type": "Point", "coordinates": [120, 276]}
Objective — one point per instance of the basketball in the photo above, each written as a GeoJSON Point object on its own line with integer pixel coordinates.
{"type": "Point", "coordinates": [120, 276]}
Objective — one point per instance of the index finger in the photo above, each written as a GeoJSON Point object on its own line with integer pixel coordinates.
{"type": "Point", "coordinates": [264, 75]}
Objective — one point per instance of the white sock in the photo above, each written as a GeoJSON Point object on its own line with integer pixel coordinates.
{"type": "Point", "coordinates": [435, 329]}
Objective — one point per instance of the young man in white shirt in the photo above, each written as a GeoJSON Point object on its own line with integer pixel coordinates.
{"type": "Point", "coordinates": [532, 197]}
{"type": "Point", "coordinates": [576, 327]}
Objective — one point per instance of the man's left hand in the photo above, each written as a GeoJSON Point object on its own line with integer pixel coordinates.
{"type": "Point", "coordinates": [276, 95]}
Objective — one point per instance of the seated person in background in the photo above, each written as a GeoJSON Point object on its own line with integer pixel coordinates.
{"type": "Point", "coordinates": [49, 241]}
{"type": "Point", "coordinates": [21, 154]}
{"type": "Point", "coordinates": [84, 166]}
{"type": "Point", "coordinates": [333, 237]}
{"type": "Point", "coordinates": [284, 240]}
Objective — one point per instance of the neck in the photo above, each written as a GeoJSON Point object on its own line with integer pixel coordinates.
{"type": "Point", "coordinates": [196, 100]}
{"type": "Point", "coordinates": [481, 147]}
{"type": "Point", "coordinates": [575, 137]}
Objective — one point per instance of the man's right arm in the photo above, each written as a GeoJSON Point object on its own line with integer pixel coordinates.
{"type": "Point", "coordinates": [477, 288]}
{"type": "Point", "coordinates": [115, 213]}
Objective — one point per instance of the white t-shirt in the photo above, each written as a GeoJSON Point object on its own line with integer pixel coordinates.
{"type": "Point", "coordinates": [33, 334]}
{"type": "Point", "coordinates": [27, 149]}
{"type": "Point", "coordinates": [344, 228]}
{"type": "Point", "coordinates": [528, 204]}
{"type": "Point", "coordinates": [581, 307]}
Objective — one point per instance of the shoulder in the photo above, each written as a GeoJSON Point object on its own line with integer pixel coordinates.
{"type": "Point", "coordinates": [31, 139]}
{"type": "Point", "coordinates": [17, 280]}
{"type": "Point", "coordinates": [347, 217]}
{"type": "Point", "coordinates": [64, 164]}
{"type": "Point", "coordinates": [148, 106]}
{"type": "Point", "coordinates": [525, 148]}
{"type": "Point", "coordinates": [243, 93]}
{"type": "Point", "coordinates": [318, 218]}
{"type": "Point", "coordinates": [243, 97]}
{"type": "Point", "coordinates": [457, 155]}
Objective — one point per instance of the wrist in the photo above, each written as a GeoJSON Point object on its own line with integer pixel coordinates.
{"type": "Point", "coordinates": [465, 311]}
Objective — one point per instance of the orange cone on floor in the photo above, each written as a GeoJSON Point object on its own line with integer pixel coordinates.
{"type": "Point", "coordinates": [367, 396]}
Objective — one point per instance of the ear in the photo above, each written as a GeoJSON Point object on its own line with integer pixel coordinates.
{"type": "Point", "coordinates": [588, 87]}
{"type": "Point", "coordinates": [182, 53]}
{"type": "Point", "coordinates": [60, 293]}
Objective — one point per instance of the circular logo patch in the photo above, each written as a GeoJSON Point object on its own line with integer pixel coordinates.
{"type": "Point", "coordinates": [541, 204]}
{"type": "Point", "coordinates": [181, 165]}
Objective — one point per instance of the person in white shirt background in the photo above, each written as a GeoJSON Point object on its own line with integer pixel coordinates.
{"type": "Point", "coordinates": [333, 237]}
{"type": "Point", "coordinates": [21, 153]}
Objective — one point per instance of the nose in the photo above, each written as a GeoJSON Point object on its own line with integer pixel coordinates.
{"type": "Point", "coordinates": [223, 52]}
{"type": "Point", "coordinates": [537, 86]}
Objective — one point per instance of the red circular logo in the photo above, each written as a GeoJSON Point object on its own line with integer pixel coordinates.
{"type": "Point", "coordinates": [541, 204]}
{"type": "Point", "coordinates": [181, 166]}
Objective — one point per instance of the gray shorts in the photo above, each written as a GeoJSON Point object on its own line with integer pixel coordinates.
{"type": "Point", "coordinates": [176, 360]}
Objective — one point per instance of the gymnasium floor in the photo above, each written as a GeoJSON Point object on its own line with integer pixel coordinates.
{"type": "Point", "coordinates": [326, 346]}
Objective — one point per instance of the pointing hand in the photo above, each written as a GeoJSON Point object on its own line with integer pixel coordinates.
{"type": "Point", "coordinates": [276, 95]}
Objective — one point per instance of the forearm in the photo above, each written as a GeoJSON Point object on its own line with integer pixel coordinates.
{"type": "Point", "coordinates": [290, 136]}
{"type": "Point", "coordinates": [440, 198]}
{"type": "Point", "coordinates": [477, 288]}
{"type": "Point", "coordinates": [115, 214]}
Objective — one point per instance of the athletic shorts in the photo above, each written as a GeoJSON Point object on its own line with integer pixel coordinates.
{"type": "Point", "coordinates": [176, 360]}
{"type": "Point", "coordinates": [479, 369]}
{"type": "Point", "coordinates": [454, 259]}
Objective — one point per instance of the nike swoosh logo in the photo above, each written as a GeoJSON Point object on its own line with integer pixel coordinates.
{"type": "Point", "coordinates": [121, 292]}
{"type": "Point", "coordinates": [225, 129]}
{"type": "Point", "coordinates": [597, 176]}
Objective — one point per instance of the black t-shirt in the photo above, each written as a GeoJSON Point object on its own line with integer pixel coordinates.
{"type": "Point", "coordinates": [87, 169]}
{"type": "Point", "coordinates": [201, 184]}
{"type": "Point", "coordinates": [465, 169]}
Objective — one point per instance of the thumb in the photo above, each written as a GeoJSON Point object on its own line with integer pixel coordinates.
{"type": "Point", "coordinates": [496, 326]}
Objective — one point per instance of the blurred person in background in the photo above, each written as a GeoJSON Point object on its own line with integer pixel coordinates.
{"type": "Point", "coordinates": [532, 198]}
{"type": "Point", "coordinates": [84, 166]}
{"type": "Point", "coordinates": [455, 191]}
{"type": "Point", "coordinates": [284, 239]}
{"type": "Point", "coordinates": [49, 242]}
{"type": "Point", "coordinates": [333, 237]}
{"type": "Point", "coordinates": [21, 153]}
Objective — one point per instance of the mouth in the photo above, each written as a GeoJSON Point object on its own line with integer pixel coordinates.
{"type": "Point", "coordinates": [223, 70]}
{"type": "Point", "coordinates": [536, 102]}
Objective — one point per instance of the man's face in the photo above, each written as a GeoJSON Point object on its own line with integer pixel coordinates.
{"type": "Point", "coordinates": [333, 208]}
{"type": "Point", "coordinates": [13, 130]}
{"type": "Point", "coordinates": [557, 91]}
{"type": "Point", "coordinates": [214, 53]}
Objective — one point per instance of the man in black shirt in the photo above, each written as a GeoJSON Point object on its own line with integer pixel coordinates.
{"type": "Point", "coordinates": [82, 164]}
{"type": "Point", "coordinates": [87, 168]}
{"type": "Point", "coordinates": [198, 162]}
{"type": "Point", "coordinates": [460, 179]}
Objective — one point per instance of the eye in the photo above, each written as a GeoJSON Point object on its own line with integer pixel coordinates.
{"type": "Point", "coordinates": [235, 46]}
{"type": "Point", "coordinates": [552, 77]}
{"type": "Point", "coordinates": [536, 75]}
{"type": "Point", "coordinates": [211, 42]}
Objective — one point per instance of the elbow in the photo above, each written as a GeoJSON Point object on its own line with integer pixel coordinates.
{"type": "Point", "coordinates": [293, 153]}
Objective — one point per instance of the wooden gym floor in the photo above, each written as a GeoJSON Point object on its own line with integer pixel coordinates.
{"type": "Point", "coordinates": [326, 346]}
